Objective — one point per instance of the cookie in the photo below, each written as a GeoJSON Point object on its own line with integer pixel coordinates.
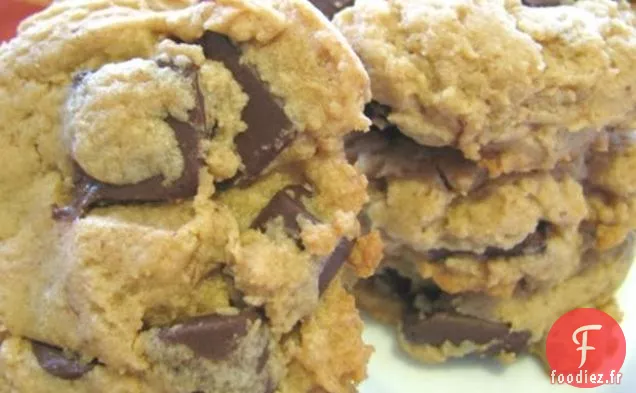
{"type": "Point", "coordinates": [514, 85]}
{"type": "Point", "coordinates": [468, 258]}
{"type": "Point", "coordinates": [178, 211]}
{"type": "Point", "coordinates": [434, 326]}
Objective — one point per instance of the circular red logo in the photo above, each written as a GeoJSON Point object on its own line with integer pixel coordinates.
{"type": "Point", "coordinates": [586, 348]}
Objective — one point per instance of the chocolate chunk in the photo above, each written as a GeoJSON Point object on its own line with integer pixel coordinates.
{"type": "Point", "coordinates": [331, 7]}
{"type": "Point", "coordinates": [286, 204]}
{"type": "Point", "coordinates": [332, 263]}
{"type": "Point", "coordinates": [90, 192]}
{"type": "Point", "coordinates": [213, 337]}
{"type": "Point", "coordinates": [514, 342]}
{"type": "Point", "coordinates": [534, 243]}
{"type": "Point", "coordinates": [440, 327]}
{"type": "Point", "coordinates": [269, 131]}
{"type": "Point", "coordinates": [57, 363]}
{"type": "Point", "coordinates": [542, 3]}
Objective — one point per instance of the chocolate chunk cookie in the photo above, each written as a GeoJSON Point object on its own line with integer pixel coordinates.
{"type": "Point", "coordinates": [178, 211]}
{"type": "Point", "coordinates": [498, 166]}
{"type": "Point", "coordinates": [459, 245]}
{"type": "Point", "coordinates": [516, 85]}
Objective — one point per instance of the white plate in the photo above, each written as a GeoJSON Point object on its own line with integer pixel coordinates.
{"type": "Point", "coordinates": [391, 372]}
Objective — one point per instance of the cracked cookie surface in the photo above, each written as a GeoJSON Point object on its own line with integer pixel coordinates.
{"type": "Point", "coordinates": [513, 86]}
{"type": "Point", "coordinates": [498, 166]}
{"type": "Point", "coordinates": [468, 256]}
{"type": "Point", "coordinates": [173, 214]}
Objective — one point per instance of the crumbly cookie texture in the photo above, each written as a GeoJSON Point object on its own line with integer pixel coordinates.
{"type": "Point", "coordinates": [475, 265]}
{"type": "Point", "coordinates": [527, 317]}
{"type": "Point", "coordinates": [446, 220]}
{"type": "Point", "coordinates": [512, 86]}
{"type": "Point", "coordinates": [95, 119]}
{"type": "Point", "coordinates": [174, 210]}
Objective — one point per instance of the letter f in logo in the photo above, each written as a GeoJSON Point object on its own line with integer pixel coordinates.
{"type": "Point", "coordinates": [583, 344]}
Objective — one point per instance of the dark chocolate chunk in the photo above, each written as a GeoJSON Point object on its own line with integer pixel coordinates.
{"type": "Point", "coordinates": [286, 204]}
{"type": "Point", "coordinates": [331, 7]}
{"type": "Point", "coordinates": [440, 327]}
{"type": "Point", "coordinates": [332, 263]}
{"type": "Point", "coordinates": [542, 3]}
{"type": "Point", "coordinates": [54, 361]}
{"type": "Point", "coordinates": [534, 243]}
{"type": "Point", "coordinates": [90, 192]}
{"type": "Point", "coordinates": [514, 342]}
{"type": "Point", "coordinates": [269, 131]}
{"type": "Point", "coordinates": [213, 337]}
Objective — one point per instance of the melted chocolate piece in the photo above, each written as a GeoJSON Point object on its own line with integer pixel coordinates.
{"type": "Point", "coordinates": [440, 327]}
{"type": "Point", "coordinates": [286, 204]}
{"type": "Point", "coordinates": [90, 192]}
{"type": "Point", "coordinates": [54, 361]}
{"type": "Point", "coordinates": [213, 337]}
{"type": "Point", "coordinates": [331, 7]}
{"type": "Point", "coordinates": [269, 131]}
{"type": "Point", "coordinates": [331, 264]}
{"type": "Point", "coordinates": [541, 3]}
{"type": "Point", "coordinates": [534, 243]}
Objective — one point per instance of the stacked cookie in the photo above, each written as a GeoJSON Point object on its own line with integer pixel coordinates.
{"type": "Point", "coordinates": [178, 214]}
{"type": "Point", "coordinates": [501, 166]}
